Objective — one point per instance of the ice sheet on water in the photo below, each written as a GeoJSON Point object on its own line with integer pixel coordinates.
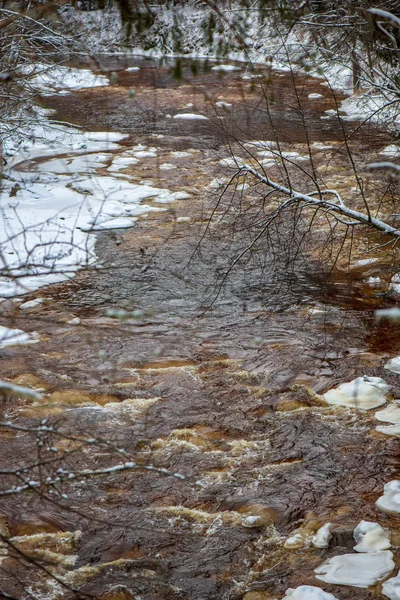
{"type": "Point", "coordinates": [363, 393]}
{"type": "Point", "coordinates": [16, 337]}
{"type": "Point", "coordinates": [49, 79]}
{"type": "Point", "coordinates": [356, 570]}
{"type": "Point", "coordinates": [308, 592]}
{"type": "Point", "coordinates": [190, 117]}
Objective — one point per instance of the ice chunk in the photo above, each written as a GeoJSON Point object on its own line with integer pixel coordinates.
{"type": "Point", "coordinates": [374, 281]}
{"type": "Point", "coordinates": [390, 501]}
{"type": "Point", "coordinates": [391, 588]}
{"type": "Point", "coordinates": [32, 303]}
{"type": "Point", "coordinates": [363, 393]}
{"type": "Point", "coordinates": [181, 154]}
{"type": "Point", "coordinates": [16, 337]}
{"type": "Point", "coordinates": [389, 429]}
{"type": "Point", "coordinates": [308, 592]}
{"type": "Point", "coordinates": [225, 68]}
{"type": "Point", "coordinates": [356, 570]}
{"type": "Point", "coordinates": [371, 537]}
{"type": "Point", "coordinates": [232, 162]}
{"type": "Point", "coordinates": [391, 414]}
{"type": "Point", "coordinates": [393, 365]}
{"type": "Point", "coordinates": [323, 536]}
{"type": "Point", "coordinates": [167, 167]}
{"type": "Point", "coordinates": [391, 314]}
{"type": "Point", "coordinates": [74, 321]}
{"type": "Point", "coordinates": [252, 521]}
{"type": "Point", "coordinates": [190, 117]}
{"type": "Point", "coordinates": [391, 150]}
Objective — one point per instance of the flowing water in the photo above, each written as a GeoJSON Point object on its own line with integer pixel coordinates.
{"type": "Point", "coordinates": [219, 388]}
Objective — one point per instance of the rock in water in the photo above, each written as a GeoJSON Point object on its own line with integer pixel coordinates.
{"type": "Point", "coordinates": [371, 537]}
{"type": "Point", "coordinates": [308, 592]}
{"type": "Point", "coordinates": [390, 501]}
{"type": "Point", "coordinates": [363, 393]}
{"type": "Point", "coordinates": [391, 588]}
{"type": "Point", "coordinates": [356, 570]}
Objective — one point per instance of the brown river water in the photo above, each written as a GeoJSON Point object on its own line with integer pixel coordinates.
{"type": "Point", "coordinates": [220, 388]}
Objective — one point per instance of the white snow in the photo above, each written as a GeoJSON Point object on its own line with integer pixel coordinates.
{"type": "Point", "coordinates": [233, 162]}
{"type": "Point", "coordinates": [390, 501]}
{"type": "Point", "coordinates": [180, 154]}
{"type": "Point", "coordinates": [252, 521]}
{"type": "Point", "coordinates": [362, 262]}
{"type": "Point", "coordinates": [391, 588]}
{"type": "Point", "coordinates": [262, 145]}
{"type": "Point", "coordinates": [371, 537]}
{"type": "Point", "coordinates": [323, 536]}
{"type": "Point", "coordinates": [74, 321]}
{"type": "Point", "coordinates": [391, 150]}
{"type": "Point", "coordinates": [190, 117]}
{"type": "Point", "coordinates": [374, 281]}
{"type": "Point", "coordinates": [307, 592]}
{"type": "Point", "coordinates": [32, 303]}
{"type": "Point", "coordinates": [395, 284]}
{"type": "Point", "coordinates": [167, 167]}
{"type": "Point", "coordinates": [389, 429]}
{"type": "Point", "coordinates": [122, 161]}
{"type": "Point", "coordinates": [16, 337]}
{"type": "Point", "coordinates": [363, 393]}
{"type": "Point", "coordinates": [49, 208]}
{"type": "Point", "coordinates": [296, 540]}
{"type": "Point", "coordinates": [226, 68]}
{"type": "Point", "coordinates": [132, 69]}
{"type": "Point", "coordinates": [50, 80]}
{"type": "Point", "coordinates": [314, 96]}
{"type": "Point", "coordinates": [356, 570]}
{"type": "Point", "coordinates": [223, 104]}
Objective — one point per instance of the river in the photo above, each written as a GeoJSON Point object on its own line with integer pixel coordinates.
{"type": "Point", "coordinates": [220, 388]}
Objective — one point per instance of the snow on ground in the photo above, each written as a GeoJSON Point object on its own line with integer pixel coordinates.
{"type": "Point", "coordinates": [371, 106]}
{"type": "Point", "coordinates": [50, 208]}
